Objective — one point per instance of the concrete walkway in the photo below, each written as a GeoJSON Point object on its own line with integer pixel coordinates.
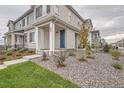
{"type": "Point", "coordinates": [17, 61]}
{"type": "Point", "coordinates": [12, 62]}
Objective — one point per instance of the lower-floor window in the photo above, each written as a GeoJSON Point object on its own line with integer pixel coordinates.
{"type": "Point", "coordinates": [25, 37]}
{"type": "Point", "coordinates": [32, 37]}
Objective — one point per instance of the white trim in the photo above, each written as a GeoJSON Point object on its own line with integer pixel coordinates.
{"type": "Point", "coordinates": [43, 24]}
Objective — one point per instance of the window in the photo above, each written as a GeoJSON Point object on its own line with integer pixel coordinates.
{"type": "Point", "coordinates": [39, 11]}
{"type": "Point", "coordinates": [78, 22]}
{"type": "Point", "coordinates": [69, 16]}
{"type": "Point", "coordinates": [95, 36]}
{"type": "Point", "coordinates": [27, 20]}
{"type": "Point", "coordinates": [25, 37]}
{"type": "Point", "coordinates": [20, 25]}
{"type": "Point", "coordinates": [44, 10]}
{"type": "Point", "coordinates": [48, 9]}
{"type": "Point", "coordinates": [56, 9]}
{"type": "Point", "coordinates": [23, 22]}
{"type": "Point", "coordinates": [32, 37]}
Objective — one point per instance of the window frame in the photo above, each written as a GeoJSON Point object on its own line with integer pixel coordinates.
{"type": "Point", "coordinates": [32, 39]}
{"type": "Point", "coordinates": [23, 22]}
{"type": "Point", "coordinates": [39, 11]}
{"type": "Point", "coordinates": [26, 37]}
{"type": "Point", "coordinates": [56, 9]}
{"type": "Point", "coordinates": [47, 9]}
{"type": "Point", "coordinates": [28, 20]}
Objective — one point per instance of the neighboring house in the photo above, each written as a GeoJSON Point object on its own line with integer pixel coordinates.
{"type": "Point", "coordinates": [119, 44]}
{"type": "Point", "coordinates": [103, 42]}
{"type": "Point", "coordinates": [45, 27]}
{"type": "Point", "coordinates": [95, 39]}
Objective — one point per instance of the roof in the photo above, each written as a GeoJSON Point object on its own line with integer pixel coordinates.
{"type": "Point", "coordinates": [31, 10]}
{"type": "Point", "coordinates": [25, 14]}
{"type": "Point", "coordinates": [95, 31]}
{"type": "Point", "coordinates": [89, 22]}
{"type": "Point", "coordinates": [74, 11]}
{"type": "Point", "coordinates": [9, 22]}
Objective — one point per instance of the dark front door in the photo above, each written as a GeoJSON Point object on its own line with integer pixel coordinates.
{"type": "Point", "coordinates": [62, 39]}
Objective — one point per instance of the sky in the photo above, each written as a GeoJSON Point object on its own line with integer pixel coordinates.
{"type": "Point", "coordinates": [109, 20]}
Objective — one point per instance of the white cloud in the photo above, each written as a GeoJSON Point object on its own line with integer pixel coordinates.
{"type": "Point", "coordinates": [114, 38]}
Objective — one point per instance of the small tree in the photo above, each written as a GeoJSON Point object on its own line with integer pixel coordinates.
{"type": "Point", "coordinates": [44, 57]}
{"type": "Point", "coordinates": [83, 39]}
{"type": "Point", "coordinates": [106, 48]}
{"type": "Point", "coordinates": [116, 54]}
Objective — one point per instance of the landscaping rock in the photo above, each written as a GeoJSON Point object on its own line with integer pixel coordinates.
{"type": "Point", "coordinates": [96, 72]}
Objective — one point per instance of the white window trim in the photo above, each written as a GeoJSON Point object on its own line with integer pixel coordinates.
{"type": "Point", "coordinates": [27, 38]}
{"type": "Point", "coordinates": [56, 12]}
{"type": "Point", "coordinates": [34, 37]}
{"type": "Point", "coordinates": [44, 12]}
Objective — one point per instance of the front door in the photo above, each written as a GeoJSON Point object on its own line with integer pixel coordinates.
{"type": "Point", "coordinates": [62, 39]}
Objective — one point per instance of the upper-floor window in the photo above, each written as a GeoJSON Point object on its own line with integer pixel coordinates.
{"type": "Point", "coordinates": [95, 36]}
{"type": "Point", "coordinates": [78, 22]}
{"type": "Point", "coordinates": [32, 37]}
{"type": "Point", "coordinates": [56, 9]}
{"type": "Point", "coordinates": [23, 22]}
{"type": "Point", "coordinates": [44, 10]}
{"type": "Point", "coordinates": [20, 25]}
{"type": "Point", "coordinates": [27, 20]}
{"type": "Point", "coordinates": [39, 11]}
{"type": "Point", "coordinates": [48, 9]}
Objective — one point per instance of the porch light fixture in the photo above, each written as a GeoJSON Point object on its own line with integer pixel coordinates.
{"type": "Point", "coordinates": [57, 31]}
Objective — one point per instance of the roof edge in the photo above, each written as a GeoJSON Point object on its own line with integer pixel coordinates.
{"type": "Point", "coordinates": [74, 11]}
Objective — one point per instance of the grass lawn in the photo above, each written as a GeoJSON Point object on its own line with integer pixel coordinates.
{"type": "Point", "coordinates": [30, 75]}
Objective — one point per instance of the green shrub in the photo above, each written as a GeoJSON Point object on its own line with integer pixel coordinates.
{"type": "Point", "coordinates": [8, 53]}
{"type": "Point", "coordinates": [31, 51]}
{"type": "Point", "coordinates": [117, 65]}
{"type": "Point", "coordinates": [22, 50]}
{"type": "Point", "coordinates": [2, 58]}
{"type": "Point", "coordinates": [44, 57]}
{"type": "Point", "coordinates": [82, 59]}
{"type": "Point", "coordinates": [60, 58]}
{"type": "Point", "coordinates": [93, 46]}
{"type": "Point", "coordinates": [106, 48]}
{"type": "Point", "coordinates": [18, 54]}
{"type": "Point", "coordinates": [115, 54]}
{"type": "Point", "coordinates": [91, 57]}
{"type": "Point", "coordinates": [71, 53]}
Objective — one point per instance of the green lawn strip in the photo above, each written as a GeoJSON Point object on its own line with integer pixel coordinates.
{"type": "Point", "coordinates": [31, 75]}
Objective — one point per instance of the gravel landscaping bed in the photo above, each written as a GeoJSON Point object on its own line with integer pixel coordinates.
{"type": "Point", "coordinates": [96, 72]}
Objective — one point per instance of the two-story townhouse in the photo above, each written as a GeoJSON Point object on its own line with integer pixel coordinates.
{"type": "Point", "coordinates": [45, 27]}
{"type": "Point", "coordinates": [95, 38]}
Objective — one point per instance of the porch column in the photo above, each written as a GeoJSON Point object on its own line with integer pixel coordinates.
{"type": "Point", "coordinates": [5, 43]}
{"type": "Point", "coordinates": [90, 39]}
{"type": "Point", "coordinates": [36, 39]}
{"type": "Point", "coordinates": [52, 37]}
{"type": "Point", "coordinates": [13, 40]}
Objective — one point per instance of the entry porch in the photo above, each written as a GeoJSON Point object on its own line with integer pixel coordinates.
{"type": "Point", "coordinates": [51, 37]}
